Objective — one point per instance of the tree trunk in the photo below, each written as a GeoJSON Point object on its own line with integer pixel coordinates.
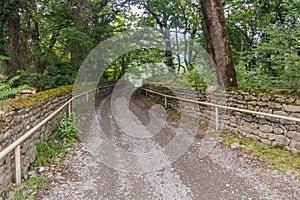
{"type": "Point", "coordinates": [15, 48]}
{"type": "Point", "coordinates": [217, 41]}
{"type": "Point", "coordinates": [123, 67]}
{"type": "Point", "coordinates": [168, 53]}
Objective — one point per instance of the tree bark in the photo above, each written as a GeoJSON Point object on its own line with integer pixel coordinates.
{"type": "Point", "coordinates": [123, 67]}
{"type": "Point", "coordinates": [217, 41]}
{"type": "Point", "coordinates": [15, 48]}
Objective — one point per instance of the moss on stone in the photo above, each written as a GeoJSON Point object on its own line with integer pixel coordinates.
{"type": "Point", "coordinates": [255, 92]}
{"type": "Point", "coordinates": [33, 99]}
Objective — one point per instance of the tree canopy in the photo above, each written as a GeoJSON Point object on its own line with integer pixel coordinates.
{"type": "Point", "coordinates": [252, 43]}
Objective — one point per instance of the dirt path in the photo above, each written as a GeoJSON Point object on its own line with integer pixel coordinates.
{"type": "Point", "coordinates": [220, 175]}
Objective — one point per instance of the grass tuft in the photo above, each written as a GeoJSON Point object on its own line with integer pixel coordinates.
{"type": "Point", "coordinates": [49, 153]}
{"type": "Point", "coordinates": [275, 157]}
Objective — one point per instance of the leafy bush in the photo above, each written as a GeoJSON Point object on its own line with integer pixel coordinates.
{"type": "Point", "coordinates": [52, 77]}
{"type": "Point", "coordinates": [67, 129]}
{"type": "Point", "coordinates": [256, 79]}
{"type": "Point", "coordinates": [58, 144]}
{"type": "Point", "coordinates": [46, 150]}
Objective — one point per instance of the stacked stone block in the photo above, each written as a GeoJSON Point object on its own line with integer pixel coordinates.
{"type": "Point", "coordinates": [269, 130]}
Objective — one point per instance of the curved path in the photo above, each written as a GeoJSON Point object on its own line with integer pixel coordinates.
{"type": "Point", "coordinates": [220, 175]}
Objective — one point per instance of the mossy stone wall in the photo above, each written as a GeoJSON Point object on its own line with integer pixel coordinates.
{"type": "Point", "coordinates": [266, 129]}
{"type": "Point", "coordinates": [18, 116]}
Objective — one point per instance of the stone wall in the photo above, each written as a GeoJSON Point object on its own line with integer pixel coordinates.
{"type": "Point", "coordinates": [269, 130]}
{"type": "Point", "coordinates": [18, 116]}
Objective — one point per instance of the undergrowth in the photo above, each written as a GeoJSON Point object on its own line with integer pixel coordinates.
{"type": "Point", "coordinates": [58, 145]}
{"type": "Point", "coordinates": [49, 153]}
{"type": "Point", "coordinates": [7, 90]}
{"type": "Point", "coordinates": [275, 157]}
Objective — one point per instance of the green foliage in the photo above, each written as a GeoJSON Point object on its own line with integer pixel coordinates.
{"type": "Point", "coordinates": [67, 129]}
{"type": "Point", "coordinates": [3, 58]}
{"type": "Point", "coordinates": [194, 78]}
{"type": "Point", "coordinates": [7, 90]}
{"type": "Point", "coordinates": [255, 79]}
{"type": "Point", "coordinates": [57, 35]}
{"type": "Point", "coordinates": [31, 187]}
{"type": "Point", "coordinates": [49, 153]}
{"type": "Point", "coordinates": [53, 76]}
{"type": "Point", "coordinates": [278, 56]}
{"type": "Point", "coordinates": [47, 150]}
{"type": "Point", "coordinates": [28, 190]}
{"type": "Point", "coordinates": [58, 145]}
{"type": "Point", "coordinates": [265, 41]}
{"type": "Point", "coordinates": [276, 157]}
{"type": "Point", "coordinates": [134, 61]}
{"type": "Point", "coordinates": [75, 36]}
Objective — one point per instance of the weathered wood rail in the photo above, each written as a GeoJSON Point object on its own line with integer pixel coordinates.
{"type": "Point", "coordinates": [17, 143]}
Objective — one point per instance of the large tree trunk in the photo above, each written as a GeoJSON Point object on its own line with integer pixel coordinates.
{"type": "Point", "coordinates": [217, 41]}
{"type": "Point", "coordinates": [15, 48]}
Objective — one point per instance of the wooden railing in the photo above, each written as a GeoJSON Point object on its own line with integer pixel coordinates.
{"type": "Point", "coordinates": [17, 143]}
{"type": "Point", "coordinates": [217, 107]}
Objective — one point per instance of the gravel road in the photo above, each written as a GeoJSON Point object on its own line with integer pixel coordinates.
{"type": "Point", "coordinates": [220, 175]}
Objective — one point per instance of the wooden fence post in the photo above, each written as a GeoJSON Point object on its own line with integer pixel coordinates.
{"type": "Point", "coordinates": [166, 102]}
{"type": "Point", "coordinates": [87, 97]}
{"type": "Point", "coordinates": [217, 118]}
{"type": "Point", "coordinates": [69, 111]}
{"type": "Point", "coordinates": [18, 165]}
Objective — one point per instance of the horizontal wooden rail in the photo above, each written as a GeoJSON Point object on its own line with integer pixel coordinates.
{"type": "Point", "coordinates": [225, 107]}
{"type": "Point", "coordinates": [16, 144]}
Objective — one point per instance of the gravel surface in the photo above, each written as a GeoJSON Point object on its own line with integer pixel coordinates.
{"type": "Point", "coordinates": [220, 175]}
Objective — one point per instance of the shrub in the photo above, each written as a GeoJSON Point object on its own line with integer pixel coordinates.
{"type": "Point", "coordinates": [67, 129]}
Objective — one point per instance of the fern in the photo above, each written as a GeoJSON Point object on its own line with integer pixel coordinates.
{"type": "Point", "coordinates": [6, 87]}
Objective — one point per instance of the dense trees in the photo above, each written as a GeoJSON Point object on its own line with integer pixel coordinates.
{"type": "Point", "coordinates": [170, 17]}
{"type": "Point", "coordinates": [264, 38]}
{"type": "Point", "coordinates": [265, 41]}
{"type": "Point", "coordinates": [46, 41]}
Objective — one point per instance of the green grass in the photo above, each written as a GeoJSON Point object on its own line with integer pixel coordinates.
{"type": "Point", "coordinates": [49, 153]}
{"type": "Point", "coordinates": [52, 152]}
{"type": "Point", "coordinates": [275, 157]}
{"type": "Point", "coordinates": [31, 187]}
{"type": "Point", "coordinates": [4, 191]}
{"type": "Point", "coordinates": [174, 114]}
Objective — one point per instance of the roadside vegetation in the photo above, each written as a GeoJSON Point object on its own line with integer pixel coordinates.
{"type": "Point", "coordinates": [7, 90]}
{"type": "Point", "coordinates": [50, 157]}
{"type": "Point", "coordinates": [274, 157]}
{"type": "Point", "coordinates": [44, 43]}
